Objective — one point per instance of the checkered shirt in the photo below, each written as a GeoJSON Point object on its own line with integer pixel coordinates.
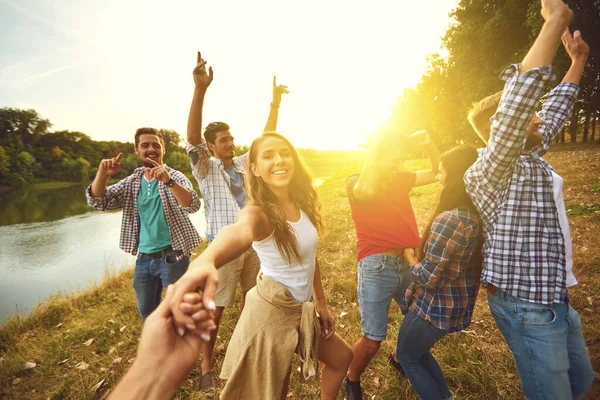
{"type": "Point", "coordinates": [524, 251]}
{"type": "Point", "coordinates": [124, 194]}
{"type": "Point", "coordinates": [444, 287]}
{"type": "Point", "coordinates": [220, 205]}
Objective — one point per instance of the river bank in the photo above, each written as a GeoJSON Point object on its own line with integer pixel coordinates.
{"type": "Point", "coordinates": [81, 340]}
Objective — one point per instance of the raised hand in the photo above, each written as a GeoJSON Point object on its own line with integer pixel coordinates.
{"type": "Point", "coordinates": [110, 166]}
{"type": "Point", "coordinates": [201, 78]}
{"type": "Point", "coordinates": [278, 90]}
{"type": "Point", "coordinates": [421, 138]}
{"type": "Point", "coordinates": [556, 9]}
{"type": "Point", "coordinates": [158, 171]}
{"type": "Point", "coordinates": [575, 46]}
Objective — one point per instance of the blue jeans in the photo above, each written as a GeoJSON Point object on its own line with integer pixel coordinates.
{"type": "Point", "coordinates": [381, 278]}
{"type": "Point", "coordinates": [548, 346]}
{"type": "Point", "coordinates": [151, 275]}
{"type": "Point", "coordinates": [415, 337]}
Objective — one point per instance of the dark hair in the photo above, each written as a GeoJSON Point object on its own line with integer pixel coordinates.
{"type": "Point", "coordinates": [210, 133]}
{"type": "Point", "coordinates": [148, 131]}
{"type": "Point", "coordinates": [301, 192]}
{"type": "Point", "coordinates": [455, 162]}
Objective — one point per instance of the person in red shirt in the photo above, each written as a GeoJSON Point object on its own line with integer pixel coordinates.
{"type": "Point", "coordinates": [385, 225]}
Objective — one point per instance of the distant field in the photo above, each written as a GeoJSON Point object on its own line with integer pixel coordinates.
{"type": "Point", "coordinates": [477, 362]}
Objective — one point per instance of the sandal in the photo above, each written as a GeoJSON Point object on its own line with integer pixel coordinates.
{"type": "Point", "coordinates": [207, 385]}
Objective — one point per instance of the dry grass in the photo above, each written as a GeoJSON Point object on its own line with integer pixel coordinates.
{"type": "Point", "coordinates": [477, 362]}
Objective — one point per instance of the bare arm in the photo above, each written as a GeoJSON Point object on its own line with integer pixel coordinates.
{"type": "Point", "coordinates": [231, 242]}
{"type": "Point", "coordinates": [327, 321]}
{"type": "Point", "coordinates": [427, 176]}
{"type": "Point", "coordinates": [557, 17]}
{"type": "Point", "coordinates": [108, 167]}
{"type": "Point", "coordinates": [278, 90]}
{"type": "Point", "coordinates": [202, 81]}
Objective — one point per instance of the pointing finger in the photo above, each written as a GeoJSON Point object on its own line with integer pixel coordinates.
{"type": "Point", "coordinates": [274, 81]}
{"type": "Point", "coordinates": [118, 157]}
{"type": "Point", "coordinates": [153, 162]}
{"type": "Point", "coordinates": [199, 58]}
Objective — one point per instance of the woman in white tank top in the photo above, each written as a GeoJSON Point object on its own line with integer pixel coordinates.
{"type": "Point", "coordinates": [281, 222]}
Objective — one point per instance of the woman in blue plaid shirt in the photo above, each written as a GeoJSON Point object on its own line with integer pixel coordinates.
{"type": "Point", "coordinates": [446, 280]}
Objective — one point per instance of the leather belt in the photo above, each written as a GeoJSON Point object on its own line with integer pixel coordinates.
{"type": "Point", "coordinates": [163, 253]}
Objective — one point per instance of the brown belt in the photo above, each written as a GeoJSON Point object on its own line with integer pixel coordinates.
{"type": "Point", "coordinates": [163, 253]}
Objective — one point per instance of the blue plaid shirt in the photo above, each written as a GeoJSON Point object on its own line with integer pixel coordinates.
{"type": "Point", "coordinates": [524, 249]}
{"type": "Point", "coordinates": [445, 288]}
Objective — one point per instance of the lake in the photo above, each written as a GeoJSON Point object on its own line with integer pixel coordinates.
{"type": "Point", "coordinates": [51, 240]}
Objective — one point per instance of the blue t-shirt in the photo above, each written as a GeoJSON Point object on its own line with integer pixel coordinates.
{"type": "Point", "coordinates": [237, 186]}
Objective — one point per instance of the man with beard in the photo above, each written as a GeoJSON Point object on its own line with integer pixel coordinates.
{"type": "Point", "coordinates": [156, 201]}
{"type": "Point", "coordinates": [220, 176]}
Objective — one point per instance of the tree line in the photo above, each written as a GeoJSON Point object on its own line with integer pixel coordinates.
{"type": "Point", "coordinates": [30, 152]}
{"type": "Point", "coordinates": [484, 38]}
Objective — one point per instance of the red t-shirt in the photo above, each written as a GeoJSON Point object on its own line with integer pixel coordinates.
{"type": "Point", "coordinates": [387, 221]}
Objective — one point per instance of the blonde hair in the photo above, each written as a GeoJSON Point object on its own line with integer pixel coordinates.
{"type": "Point", "coordinates": [480, 114]}
{"type": "Point", "coordinates": [301, 192]}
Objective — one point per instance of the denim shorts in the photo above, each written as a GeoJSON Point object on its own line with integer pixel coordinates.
{"type": "Point", "coordinates": [381, 278]}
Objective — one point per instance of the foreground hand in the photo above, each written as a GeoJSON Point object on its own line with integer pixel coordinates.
{"type": "Point", "coordinates": [278, 90]}
{"type": "Point", "coordinates": [162, 349]}
{"type": "Point", "coordinates": [421, 138]}
{"type": "Point", "coordinates": [201, 78]}
{"type": "Point", "coordinates": [110, 166]}
{"type": "Point", "coordinates": [327, 322]}
{"type": "Point", "coordinates": [575, 46]}
{"type": "Point", "coordinates": [158, 171]}
{"type": "Point", "coordinates": [203, 278]}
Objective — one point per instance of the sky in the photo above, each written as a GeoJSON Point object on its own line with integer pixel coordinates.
{"type": "Point", "coordinates": [108, 67]}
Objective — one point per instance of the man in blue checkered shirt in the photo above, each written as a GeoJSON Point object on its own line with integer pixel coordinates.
{"type": "Point", "coordinates": [527, 251]}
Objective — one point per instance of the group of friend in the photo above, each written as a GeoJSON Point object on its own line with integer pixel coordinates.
{"type": "Point", "coordinates": [500, 222]}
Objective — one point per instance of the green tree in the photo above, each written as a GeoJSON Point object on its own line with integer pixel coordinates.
{"type": "Point", "coordinates": [4, 162]}
{"type": "Point", "coordinates": [25, 166]}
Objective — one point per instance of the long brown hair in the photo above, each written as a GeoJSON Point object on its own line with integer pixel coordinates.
{"type": "Point", "coordinates": [301, 192]}
{"type": "Point", "coordinates": [455, 162]}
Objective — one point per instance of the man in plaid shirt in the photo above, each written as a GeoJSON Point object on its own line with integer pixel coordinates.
{"type": "Point", "coordinates": [156, 201]}
{"type": "Point", "coordinates": [220, 176]}
{"type": "Point", "coordinates": [525, 267]}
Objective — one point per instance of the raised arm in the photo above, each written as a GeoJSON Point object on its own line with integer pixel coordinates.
{"type": "Point", "coordinates": [278, 90]}
{"type": "Point", "coordinates": [557, 17]}
{"type": "Point", "coordinates": [202, 81]}
{"type": "Point", "coordinates": [522, 91]}
{"type": "Point", "coordinates": [559, 102]}
{"type": "Point", "coordinates": [101, 197]}
{"type": "Point", "coordinates": [231, 242]}
{"type": "Point", "coordinates": [425, 177]}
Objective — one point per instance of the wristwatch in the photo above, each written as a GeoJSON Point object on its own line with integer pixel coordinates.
{"type": "Point", "coordinates": [170, 182]}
